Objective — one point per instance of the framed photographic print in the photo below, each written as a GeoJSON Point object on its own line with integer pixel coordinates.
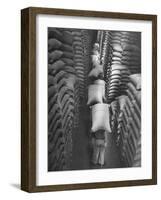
{"type": "Point", "coordinates": [88, 99]}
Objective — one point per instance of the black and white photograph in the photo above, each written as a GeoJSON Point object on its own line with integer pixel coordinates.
{"type": "Point", "coordinates": [94, 99]}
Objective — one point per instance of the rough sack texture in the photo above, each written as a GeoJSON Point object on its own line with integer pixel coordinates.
{"type": "Point", "coordinates": [127, 122]}
{"type": "Point", "coordinates": [100, 117]}
{"type": "Point", "coordinates": [62, 98]}
{"type": "Point", "coordinates": [96, 72]}
{"type": "Point", "coordinates": [68, 63]}
{"type": "Point", "coordinates": [96, 94]}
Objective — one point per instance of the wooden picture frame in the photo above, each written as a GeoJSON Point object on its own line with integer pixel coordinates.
{"type": "Point", "coordinates": [28, 98]}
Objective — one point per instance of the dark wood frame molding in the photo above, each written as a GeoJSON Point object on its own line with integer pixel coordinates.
{"type": "Point", "coordinates": [28, 98]}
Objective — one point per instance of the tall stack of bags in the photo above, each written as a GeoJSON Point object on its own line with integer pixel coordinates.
{"type": "Point", "coordinates": [129, 126]}
{"type": "Point", "coordinates": [62, 98]}
{"type": "Point", "coordinates": [106, 39]}
{"type": "Point", "coordinates": [87, 38]}
{"type": "Point", "coordinates": [117, 81]}
{"type": "Point", "coordinates": [121, 59]}
{"type": "Point", "coordinates": [128, 123]}
{"type": "Point", "coordinates": [68, 63]}
{"type": "Point", "coordinates": [79, 59]}
{"type": "Point", "coordinates": [131, 55]}
{"type": "Point", "coordinates": [82, 40]}
{"type": "Point", "coordinates": [121, 56]}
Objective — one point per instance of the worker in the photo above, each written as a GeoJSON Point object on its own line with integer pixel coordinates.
{"type": "Point", "coordinates": [96, 55]}
{"type": "Point", "coordinates": [99, 142]}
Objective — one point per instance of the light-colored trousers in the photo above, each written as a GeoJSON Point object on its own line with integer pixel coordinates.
{"type": "Point", "coordinates": [99, 147]}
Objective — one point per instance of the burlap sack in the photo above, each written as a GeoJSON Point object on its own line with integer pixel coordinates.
{"type": "Point", "coordinates": [115, 72]}
{"type": "Point", "coordinates": [136, 80]}
{"type": "Point", "coordinates": [100, 117]}
{"type": "Point", "coordinates": [117, 48]}
{"type": "Point", "coordinates": [96, 93]}
{"type": "Point", "coordinates": [71, 82]}
{"type": "Point", "coordinates": [70, 69]}
{"type": "Point", "coordinates": [122, 101]}
{"type": "Point", "coordinates": [67, 37]}
{"type": "Point", "coordinates": [118, 67]}
{"type": "Point", "coordinates": [133, 48]}
{"type": "Point", "coordinates": [68, 61]}
{"type": "Point", "coordinates": [53, 44]}
{"type": "Point", "coordinates": [117, 54]}
{"type": "Point", "coordinates": [54, 55]}
{"type": "Point", "coordinates": [95, 59]}
{"type": "Point", "coordinates": [114, 105]}
{"type": "Point", "coordinates": [77, 38]}
{"type": "Point", "coordinates": [96, 72]}
{"type": "Point", "coordinates": [67, 54]}
{"type": "Point", "coordinates": [59, 64]}
{"type": "Point", "coordinates": [54, 33]}
{"type": "Point", "coordinates": [66, 47]}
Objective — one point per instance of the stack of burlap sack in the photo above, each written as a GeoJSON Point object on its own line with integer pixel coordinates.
{"type": "Point", "coordinates": [99, 109]}
{"type": "Point", "coordinates": [120, 56]}
{"type": "Point", "coordinates": [129, 123]}
{"type": "Point", "coordinates": [131, 54]}
{"type": "Point", "coordinates": [117, 81]}
{"type": "Point", "coordinates": [120, 47]}
{"type": "Point", "coordinates": [79, 59]}
{"type": "Point", "coordinates": [62, 98]}
{"type": "Point", "coordinates": [82, 41]}
{"type": "Point", "coordinates": [87, 45]}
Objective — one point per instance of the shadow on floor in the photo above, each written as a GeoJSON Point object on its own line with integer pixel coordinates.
{"type": "Point", "coordinates": [15, 185]}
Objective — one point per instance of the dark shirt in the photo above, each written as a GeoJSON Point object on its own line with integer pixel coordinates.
{"type": "Point", "coordinates": [100, 134]}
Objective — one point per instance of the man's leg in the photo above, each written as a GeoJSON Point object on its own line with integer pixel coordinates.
{"type": "Point", "coordinates": [102, 155]}
{"type": "Point", "coordinates": [95, 153]}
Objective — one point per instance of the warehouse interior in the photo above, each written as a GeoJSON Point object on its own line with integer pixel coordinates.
{"type": "Point", "coordinates": [71, 71]}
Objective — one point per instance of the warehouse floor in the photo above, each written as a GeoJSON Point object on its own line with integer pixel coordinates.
{"type": "Point", "coordinates": [82, 148]}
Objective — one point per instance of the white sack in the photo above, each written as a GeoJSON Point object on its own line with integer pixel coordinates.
{"type": "Point", "coordinates": [96, 93]}
{"type": "Point", "coordinates": [96, 72]}
{"type": "Point", "coordinates": [100, 117]}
